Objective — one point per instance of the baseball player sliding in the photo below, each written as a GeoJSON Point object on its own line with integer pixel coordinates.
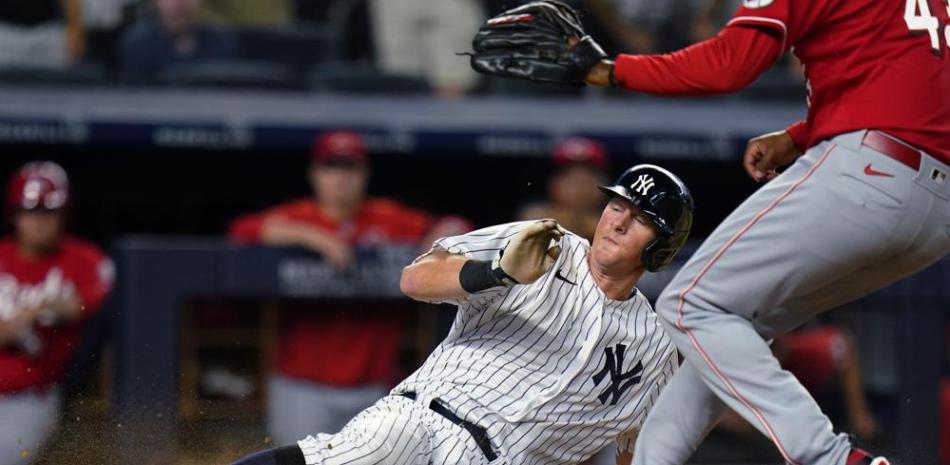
{"type": "Point", "coordinates": [553, 353]}
{"type": "Point", "coordinates": [866, 205]}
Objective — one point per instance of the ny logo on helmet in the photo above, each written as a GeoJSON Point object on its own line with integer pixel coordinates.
{"type": "Point", "coordinates": [643, 184]}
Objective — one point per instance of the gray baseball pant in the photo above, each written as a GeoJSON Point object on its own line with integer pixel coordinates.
{"type": "Point", "coordinates": [823, 233]}
{"type": "Point", "coordinates": [27, 419]}
{"type": "Point", "coordinates": [296, 408]}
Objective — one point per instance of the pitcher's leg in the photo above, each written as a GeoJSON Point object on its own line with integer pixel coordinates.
{"type": "Point", "coordinates": [683, 415]}
{"type": "Point", "coordinates": [738, 366]}
{"type": "Point", "coordinates": [790, 238]}
{"type": "Point", "coordinates": [29, 420]}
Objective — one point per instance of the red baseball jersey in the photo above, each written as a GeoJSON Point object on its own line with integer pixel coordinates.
{"type": "Point", "coordinates": [39, 357]}
{"type": "Point", "coordinates": [869, 64]}
{"type": "Point", "coordinates": [342, 343]}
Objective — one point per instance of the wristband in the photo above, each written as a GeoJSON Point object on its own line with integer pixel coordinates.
{"type": "Point", "coordinates": [478, 275]}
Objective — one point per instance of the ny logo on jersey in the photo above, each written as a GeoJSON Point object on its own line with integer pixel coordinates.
{"type": "Point", "coordinates": [619, 381]}
{"type": "Point", "coordinates": [643, 184]}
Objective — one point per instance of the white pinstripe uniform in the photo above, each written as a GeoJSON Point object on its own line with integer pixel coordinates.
{"type": "Point", "coordinates": [553, 371]}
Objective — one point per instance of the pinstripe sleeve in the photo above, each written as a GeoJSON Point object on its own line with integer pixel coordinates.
{"type": "Point", "coordinates": [481, 244]}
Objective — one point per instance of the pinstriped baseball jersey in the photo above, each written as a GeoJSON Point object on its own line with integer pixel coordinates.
{"type": "Point", "coordinates": [553, 370]}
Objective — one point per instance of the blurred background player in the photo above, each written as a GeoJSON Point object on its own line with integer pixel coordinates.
{"type": "Point", "coordinates": [580, 165]}
{"type": "Point", "coordinates": [643, 26]}
{"type": "Point", "coordinates": [173, 34]}
{"type": "Point", "coordinates": [336, 360]}
{"type": "Point", "coordinates": [249, 12]}
{"type": "Point", "coordinates": [50, 283]}
{"type": "Point", "coordinates": [420, 38]}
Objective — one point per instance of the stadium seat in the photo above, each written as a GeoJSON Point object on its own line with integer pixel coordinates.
{"type": "Point", "coordinates": [86, 74]}
{"type": "Point", "coordinates": [233, 74]}
{"type": "Point", "coordinates": [519, 87]}
{"type": "Point", "coordinates": [300, 46]}
{"type": "Point", "coordinates": [357, 30]}
{"type": "Point", "coordinates": [362, 78]}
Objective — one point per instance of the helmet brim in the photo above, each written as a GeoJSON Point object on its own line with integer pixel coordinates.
{"type": "Point", "coordinates": [622, 192]}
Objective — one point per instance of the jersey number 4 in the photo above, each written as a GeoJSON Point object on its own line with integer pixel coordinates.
{"type": "Point", "coordinates": [919, 20]}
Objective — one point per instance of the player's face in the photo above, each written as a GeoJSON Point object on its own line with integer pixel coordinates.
{"type": "Point", "coordinates": [575, 187]}
{"type": "Point", "coordinates": [339, 186]}
{"type": "Point", "coordinates": [177, 15]}
{"type": "Point", "coordinates": [38, 230]}
{"type": "Point", "coordinates": [622, 233]}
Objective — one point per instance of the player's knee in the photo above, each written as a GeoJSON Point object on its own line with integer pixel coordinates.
{"type": "Point", "coordinates": [286, 455]}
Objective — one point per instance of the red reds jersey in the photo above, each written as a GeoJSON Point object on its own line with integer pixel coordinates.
{"type": "Point", "coordinates": [78, 268]}
{"type": "Point", "coordinates": [342, 343]}
{"type": "Point", "coordinates": [869, 64]}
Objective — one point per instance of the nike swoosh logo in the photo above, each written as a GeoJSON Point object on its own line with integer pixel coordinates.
{"type": "Point", "coordinates": [558, 275]}
{"type": "Point", "coordinates": [873, 172]}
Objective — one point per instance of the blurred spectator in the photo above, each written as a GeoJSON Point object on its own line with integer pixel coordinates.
{"type": "Point", "coordinates": [49, 284]}
{"type": "Point", "coordinates": [334, 361]}
{"type": "Point", "coordinates": [825, 359]}
{"type": "Point", "coordinates": [41, 33]}
{"type": "Point", "coordinates": [422, 37]}
{"type": "Point", "coordinates": [711, 16]}
{"type": "Point", "coordinates": [573, 200]}
{"type": "Point", "coordinates": [105, 14]}
{"type": "Point", "coordinates": [249, 12]}
{"type": "Point", "coordinates": [172, 35]}
{"type": "Point", "coordinates": [104, 20]}
{"type": "Point", "coordinates": [644, 26]}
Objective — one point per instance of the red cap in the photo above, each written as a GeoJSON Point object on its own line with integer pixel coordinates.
{"type": "Point", "coordinates": [40, 185]}
{"type": "Point", "coordinates": [340, 146]}
{"type": "Point", "coordinates": [580, 150]}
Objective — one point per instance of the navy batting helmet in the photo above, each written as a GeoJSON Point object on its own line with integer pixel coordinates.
{"type": "Point", "coordinates": [664, 198]}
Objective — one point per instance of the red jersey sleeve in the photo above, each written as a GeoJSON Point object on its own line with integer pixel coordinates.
{"type": "Point", "coordinates": [246, 229]}
{"type": "Point", "coordinates": [95, 282]}
{"type": "Point", "coordinates": [401, 221]}
{"type": "Point", "coordinates": [798, 131]}
{"type": "Point", "coordinates": [771, 14]}
{"type": "Point", "coordinates": [725, 63]}
{"type": "Point", "coordinates": [795, 21]}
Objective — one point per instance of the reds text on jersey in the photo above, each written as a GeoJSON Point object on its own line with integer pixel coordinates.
{"type": "Point", "coordinates": [40, 355]}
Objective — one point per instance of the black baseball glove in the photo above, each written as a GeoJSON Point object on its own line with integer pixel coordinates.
{"type": "Point", "coordinates": [542, 41]}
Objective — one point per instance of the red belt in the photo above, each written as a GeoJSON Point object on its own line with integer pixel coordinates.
{"type": "Point", "coordinates": [887, 145]}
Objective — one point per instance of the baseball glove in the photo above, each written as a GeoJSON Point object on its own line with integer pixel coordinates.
{"type": "Point", "coordinates": [542, 41]}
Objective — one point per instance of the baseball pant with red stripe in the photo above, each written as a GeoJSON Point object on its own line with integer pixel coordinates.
{"type": "Point", "coordinates": [842, 221]}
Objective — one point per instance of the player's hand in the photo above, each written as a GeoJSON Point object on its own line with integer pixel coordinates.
{"type": "Point", "coordinates": [336, 252]}
{"type": "Point", "coordinates": [11, 329]}
{"type": "Point", "coordinates": [766, 153]}
{"type": "Point", "coordinates": [530, 253]}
